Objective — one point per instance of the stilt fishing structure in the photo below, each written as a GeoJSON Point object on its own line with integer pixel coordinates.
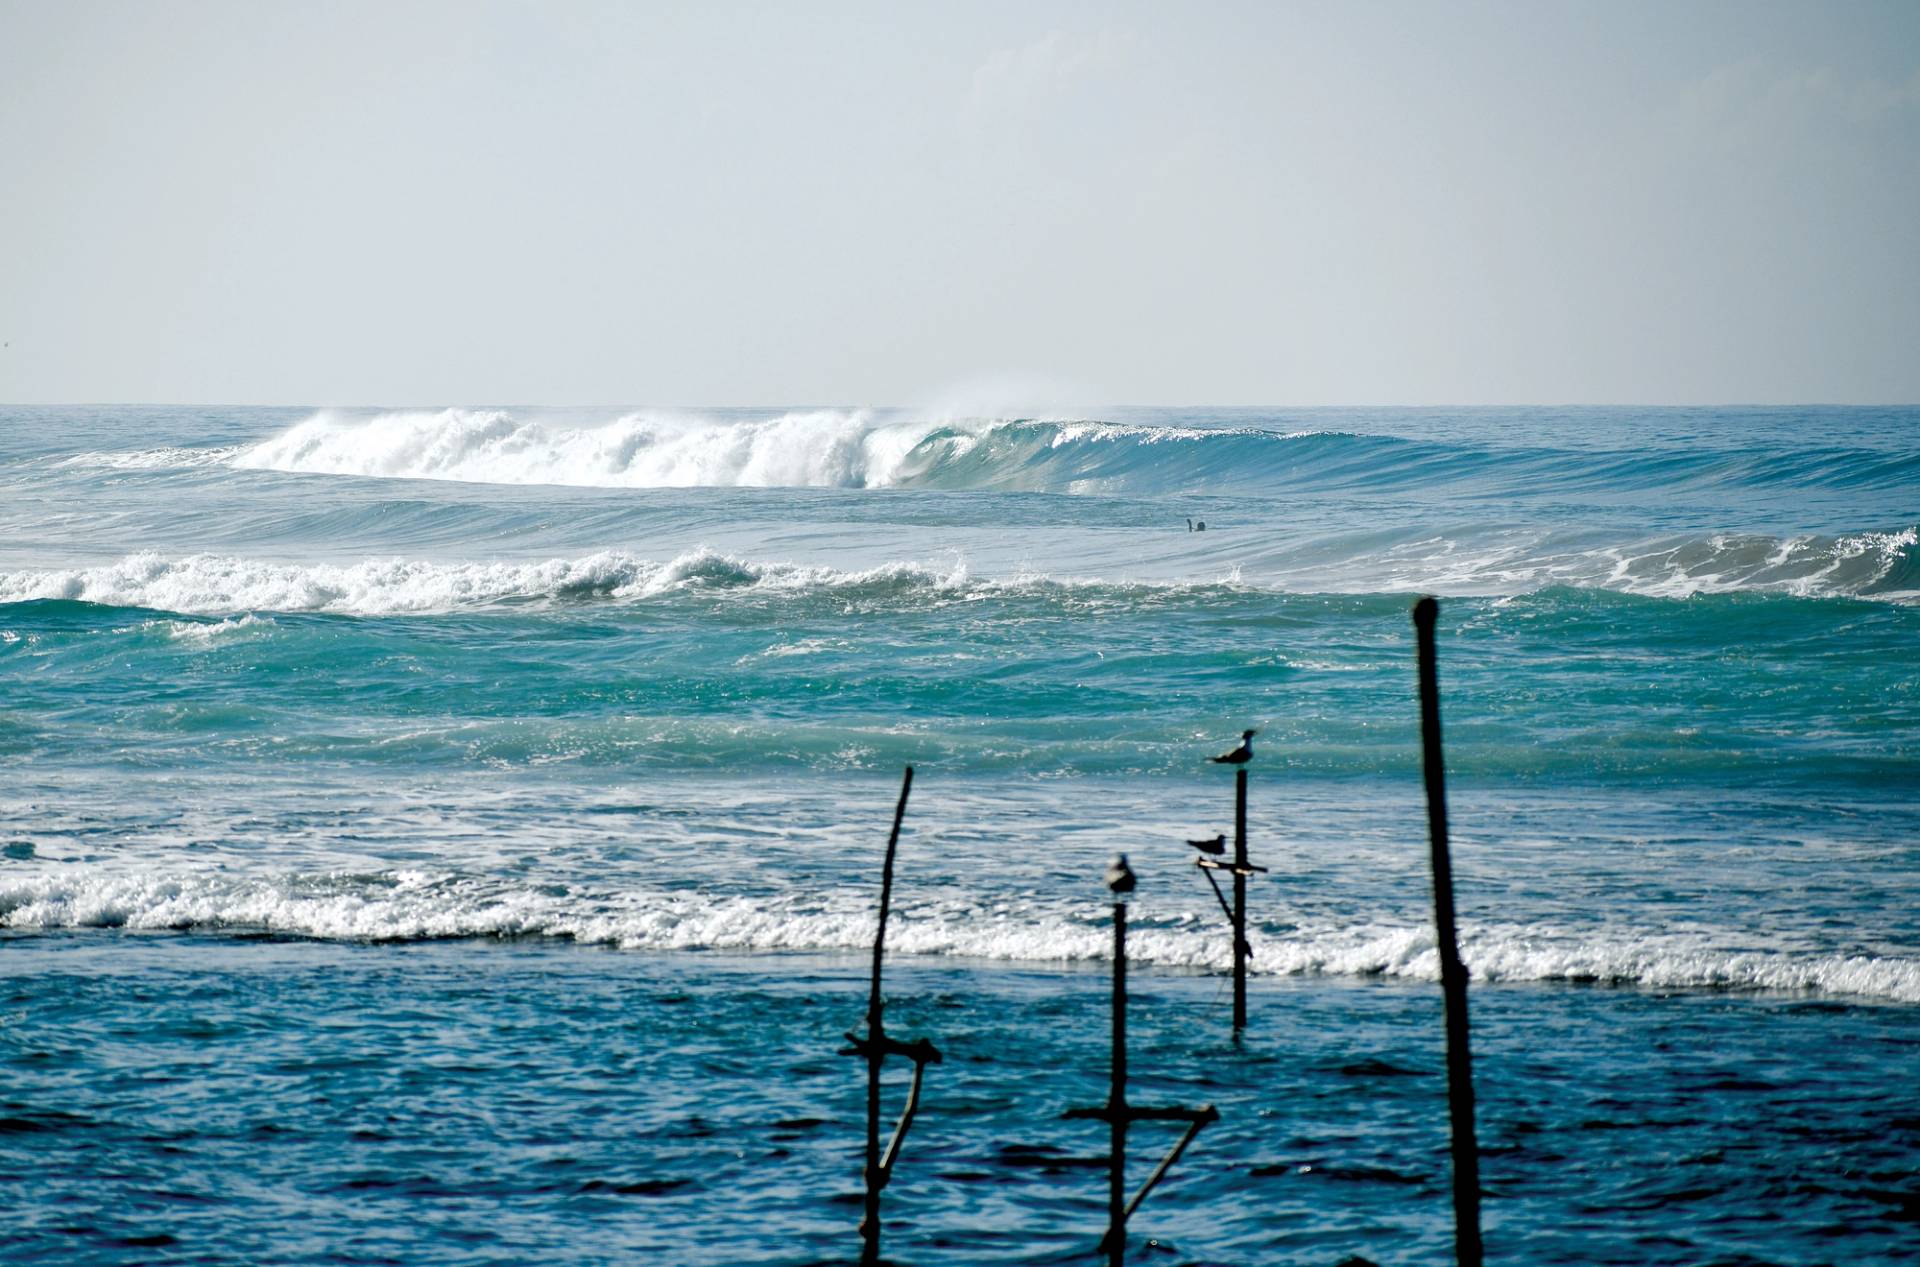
{"type": "Point", "coordinates": [1116, 1112]}
{"type": "Point", "coordinates": [1241, 868]}
{"type": "Point", "coordinates": [1453, 974]}
{"type": "Point", "coordinates": [875, 1047]}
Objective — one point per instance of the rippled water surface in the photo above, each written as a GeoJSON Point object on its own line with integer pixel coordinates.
{"type": "Point", "coordinates": [446, 836]}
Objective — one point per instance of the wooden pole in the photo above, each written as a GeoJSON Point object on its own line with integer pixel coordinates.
{"type": "Point", "coordinates": [1468, 1250]}
{"type": "Point", "coordinates": [1240, 899]}
{"type": "Point", "coordinates": [1117, 1099]}
{"type": "Point", "coordinates": [1117, 1113]}
{"type": "Point", "coordinates": [876, 1051]}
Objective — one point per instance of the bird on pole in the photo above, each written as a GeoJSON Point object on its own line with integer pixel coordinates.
{"type": "Point", "coordinates": [1215, 845]}
{"type": "Point", "coordinates": [1120, 877]}
{"type": "Point", "coordinates": [1240, 755]}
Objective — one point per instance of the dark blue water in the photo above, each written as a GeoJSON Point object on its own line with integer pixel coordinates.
{"type": "Point", "coordinates": [257, 1101]}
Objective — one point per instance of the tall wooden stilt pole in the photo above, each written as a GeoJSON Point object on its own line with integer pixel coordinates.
{"type": "Point", "coordinates": [1117, 1099]}
{"type": "Point", "coordinates": [1468, 1249]}
{"type": "Point", "coordinates": [875, 1047]}
{"type": "Point", "coordinates": [1240, 866]}
{"type": "Point", "coordinates": [876, 1039]}
{"type": "Point", "coordinates": [1117, 1113]}
{"type": "Point", "coordinates": [1236, 910]}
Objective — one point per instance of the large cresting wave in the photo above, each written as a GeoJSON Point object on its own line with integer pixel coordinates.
{"type": "Point", "coordinates": [823, 448]}
{"type": "Point", "coordinates": [828, 448]}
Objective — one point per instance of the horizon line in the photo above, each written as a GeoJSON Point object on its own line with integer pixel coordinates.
{"type": "Point", "coordinates": [798, 405]}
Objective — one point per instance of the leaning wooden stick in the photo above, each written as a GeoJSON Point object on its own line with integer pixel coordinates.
{"type": "Point", "coordinates": [875, 1047]}
{"type": "Point", "coordinates": [1453, 974]}
{"type": "Point", "coordinates": [1116, 1112]}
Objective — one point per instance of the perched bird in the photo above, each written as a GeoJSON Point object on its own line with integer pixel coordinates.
{"type": "Point", "coordinates": [1240, 755]}
{"type": "Point", "coordinates": [1215, 845]}
{"type": "Point", "coordinates": [1120, 876]}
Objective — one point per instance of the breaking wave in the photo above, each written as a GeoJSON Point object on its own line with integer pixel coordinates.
{"type": "Point", "coordinates": [1874, 565]}
{"type": "Point", "coordinates": [1883, 566]}
{"type": "Point", "coordinates": [856, 449]}
{"type": "Point", "coordinates": [823, 448]}
{"type": "Point", "coordinates": [206, 584]}
{"type": "Point", "coordinates": [419, 905]}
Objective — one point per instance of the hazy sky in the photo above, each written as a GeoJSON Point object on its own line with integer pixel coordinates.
{"type": "Point", "coordinates": [895, 203]}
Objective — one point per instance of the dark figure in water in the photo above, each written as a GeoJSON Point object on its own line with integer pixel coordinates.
{"type": "Point", "coordinates": [1196, 525]}
{"type": "Point", "coordinates": [1240, 755]}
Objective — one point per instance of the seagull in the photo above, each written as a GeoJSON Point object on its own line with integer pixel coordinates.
{"type": "Point", "coordinates": [1120, 876]}
{"type": "Point", "coordinates": [1240, 755]}
{"type": "Point", "coordinates": [1215, 845]}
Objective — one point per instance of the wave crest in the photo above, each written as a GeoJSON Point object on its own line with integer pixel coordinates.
{"type": "Point", "coordinates": [821, 448]}
{"type": "Point", "coordinates": [207, 584]}
{"type": "Point", "coordinates": [1882, 566]}
{"type": "Point", "coordinates": [411, 905]}
{"type": "Point", "coordinates": [832, 448]}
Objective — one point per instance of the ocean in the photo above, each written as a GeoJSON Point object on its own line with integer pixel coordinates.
{"type": "Point", "coordinates": [453, 835]}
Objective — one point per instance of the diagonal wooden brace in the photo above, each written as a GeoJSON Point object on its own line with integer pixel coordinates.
{"type": "Point", "coordinates": [1197, 1120]}
{"type": "Point", "coordinates": [1207, 869]}
{"type": "Point", "coordinates": [922, 1053]}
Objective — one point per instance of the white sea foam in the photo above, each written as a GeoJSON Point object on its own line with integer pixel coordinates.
{"type": "Point", "coordinates": [170, 458]}
{"type": "Point", "coordinates": [205, 633]}
{"type": "Point", "coordinates": [1861, 565]}
{"type": "Point", "coordinates": [1515, 561]}
{"type": "Point", "coordinates": [414, 904]}
{"type": "Point", "coordinates": [1808, 566]}
{"type": "Point", "coordinates": [219, 584]}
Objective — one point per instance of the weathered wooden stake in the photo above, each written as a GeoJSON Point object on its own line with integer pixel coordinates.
{"type": "Point", "coordinates": [1236, 913]}
{"type": "Point", "coordinates": [1453, 973]}
{"type": "Point", "coordinates": [1116, 1242]}
{"type": "Point", "coordinates": [1119, 1115]}
{"type": "Point", "coordinates": [1240, 899]}
{"type": "Point", "coordinates": [876, 1047]}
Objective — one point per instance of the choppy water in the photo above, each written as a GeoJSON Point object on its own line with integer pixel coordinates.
{"type": "Point", "coordinates": [618, 702]}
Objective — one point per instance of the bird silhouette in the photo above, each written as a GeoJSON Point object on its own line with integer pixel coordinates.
{"type": "Point", "coordinates": [1240, 755]}
{"type": "Point", "coordinates": [1120, 877]}
{"type": "Point", "coordinates": [1215, 845]}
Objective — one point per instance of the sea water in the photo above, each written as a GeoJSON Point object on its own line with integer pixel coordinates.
{"type": "Point", "coordinates": [451, 836]}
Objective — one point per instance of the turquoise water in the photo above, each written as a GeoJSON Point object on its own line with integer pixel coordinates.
{"type": "Point", "coordinates": [448, 836]}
